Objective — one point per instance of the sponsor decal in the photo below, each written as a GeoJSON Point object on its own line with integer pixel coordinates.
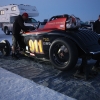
{"type": "Point", "coordinates": [56, 23]}
{"type": "Point", "coordinates": [46, 39]}
{"type": "Point", "coordinates": [61, 26]}
{"type": "Point", "coordinates": [46, 43]}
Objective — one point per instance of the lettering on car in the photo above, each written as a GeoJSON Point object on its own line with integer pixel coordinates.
{"type": "Point", "coordinates": [36, 46]}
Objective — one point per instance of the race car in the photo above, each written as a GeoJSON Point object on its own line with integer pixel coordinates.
{"type": "Point", "coordinates": [5, 47]}
{"type": "Point", "coordinates": [61, 41]}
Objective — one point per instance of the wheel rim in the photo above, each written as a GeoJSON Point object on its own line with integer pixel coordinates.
{"type": "Point", "coordinates": [60, 54]}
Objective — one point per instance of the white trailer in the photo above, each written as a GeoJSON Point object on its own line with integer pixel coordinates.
{"type": "Point", "coordinates": [10, 12]}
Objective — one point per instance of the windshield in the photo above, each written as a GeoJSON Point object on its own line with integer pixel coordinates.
{"type": "Point", "coordinates": [30, 20]}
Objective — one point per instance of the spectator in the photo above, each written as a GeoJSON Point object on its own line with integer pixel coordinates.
{"type": "Point", "coordinates": [96, 26]}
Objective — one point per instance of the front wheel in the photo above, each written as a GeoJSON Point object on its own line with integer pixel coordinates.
{"type": "Point", "coordinates": [7, 48]}
{"type": "Point", "coordinates": [63, 54]}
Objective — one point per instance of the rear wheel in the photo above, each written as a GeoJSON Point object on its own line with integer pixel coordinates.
{"type": "Point", "coordinates": [6, 31]}
{"type": "Point", "coordinates": [7, 48]}
{"type": "Point", "coordinates": [63, 54]}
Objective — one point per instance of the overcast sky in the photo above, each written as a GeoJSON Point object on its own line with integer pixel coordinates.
{"type": "Point", "coordinates": [84, 9]}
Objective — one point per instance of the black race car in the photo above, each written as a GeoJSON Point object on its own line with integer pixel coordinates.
{"type": "Point", "coordinates": [5, 47]}
{"type": "Point", "coordinates": [61, 41]}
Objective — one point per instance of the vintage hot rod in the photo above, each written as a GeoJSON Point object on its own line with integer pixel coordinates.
{"type": "Point", "coordinates": [62, 42]}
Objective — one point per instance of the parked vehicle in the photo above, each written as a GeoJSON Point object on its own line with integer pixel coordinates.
{"type": "Point", "coordinates": [9, 13]}
{"type": "Point", "coordinates": [90, 23]}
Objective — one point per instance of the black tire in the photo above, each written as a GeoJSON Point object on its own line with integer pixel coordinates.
{"type": "Point", "coordinates": [6, 31]}
{"type": "Point", "coordinates": [6, 50]}
{"type": "Point", "coordinates": [70, 54]}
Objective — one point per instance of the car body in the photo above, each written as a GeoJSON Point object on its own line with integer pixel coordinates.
{"type": "Point", "coordinates": [60, 43]}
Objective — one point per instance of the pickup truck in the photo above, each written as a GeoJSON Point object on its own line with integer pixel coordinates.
{"type": "Point", "coordinates": [7, 27]}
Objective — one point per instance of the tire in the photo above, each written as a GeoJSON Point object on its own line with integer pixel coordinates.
{"type": "Point", "coordinates": [63, 54]}
{"type": "Point", "coordinates": [6, 31]}
{"type": "Point", "coordinates": [6, 49]}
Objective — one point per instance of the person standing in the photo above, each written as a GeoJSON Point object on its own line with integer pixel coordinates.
{"type": "Point", "coordinates": [16, 36]}
{"type": "Point", "coordinates": [96, 28]}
